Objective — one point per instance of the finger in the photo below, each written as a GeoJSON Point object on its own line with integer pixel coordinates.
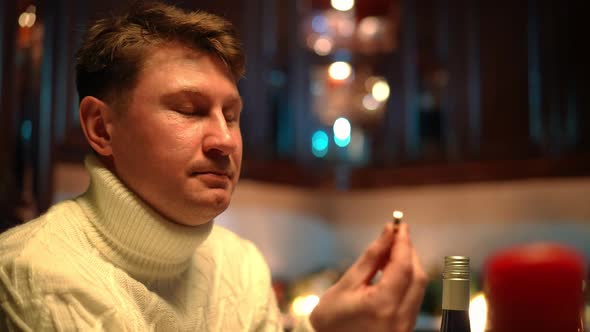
{"type": "Point", "coordinates": [372, 259]}
{"type": "Point", "coordinates": [397, 273]}
{"type": "Point", "coordinates": [410, 306]}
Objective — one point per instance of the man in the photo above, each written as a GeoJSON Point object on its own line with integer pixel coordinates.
{"type": "Point", "coordinates": [138, 251]}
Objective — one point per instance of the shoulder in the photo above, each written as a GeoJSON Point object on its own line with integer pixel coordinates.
{"type": "Point", "coordinates": [47, 235]}
{"type": "Point", "coordinates": [50, 254]}
{"type": "Point", "coordinates": [17, 239]}
{"type": "Point", "coordinates": [49, 277]}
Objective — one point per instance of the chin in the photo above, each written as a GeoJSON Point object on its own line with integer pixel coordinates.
{"type": "Point", "coordinates": [216, 199]}
{"type": "Point", "coordinates": [210, 206]}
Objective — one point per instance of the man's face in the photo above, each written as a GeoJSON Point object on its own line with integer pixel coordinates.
{"type": "Point", "coordinates": [177, 144]}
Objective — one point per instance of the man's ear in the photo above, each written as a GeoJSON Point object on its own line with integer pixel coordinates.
{"type": "Point", "coordinates": [96, 118]}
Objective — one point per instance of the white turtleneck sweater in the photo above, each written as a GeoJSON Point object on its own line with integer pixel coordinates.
{"type": "Point", "coordinates": [107, 261]}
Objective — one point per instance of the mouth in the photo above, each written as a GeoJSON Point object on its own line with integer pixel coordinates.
{"type": "Point", "coordinates": [212, 172]}
{"type": "Point", "coordinates": [214, 179]}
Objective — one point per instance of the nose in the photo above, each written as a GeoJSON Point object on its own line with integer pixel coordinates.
{"type": "Point", "coordinates": [218, 136]}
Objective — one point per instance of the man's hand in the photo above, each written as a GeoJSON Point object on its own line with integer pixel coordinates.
{"type": "Point", "coordinates": [390, 304]}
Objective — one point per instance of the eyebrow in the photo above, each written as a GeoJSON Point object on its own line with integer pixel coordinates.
{"type": "Point", "coordinates": [193, 93]}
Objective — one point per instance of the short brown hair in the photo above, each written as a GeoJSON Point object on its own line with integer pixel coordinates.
{"type": "Point", "coordinates": [114, 49]}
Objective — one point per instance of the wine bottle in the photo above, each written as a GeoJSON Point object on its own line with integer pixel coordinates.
{"type": "Point", "coordinates": [455, 301]}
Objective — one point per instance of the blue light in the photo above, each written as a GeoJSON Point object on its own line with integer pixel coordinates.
{"type": "Point", "coordinates": [319, 153]}
{"type": "Point", "coordinates": [343, 55]}
{"type": "Point", "coordinates": [319, 24]}
{"type": "Point", "coordinates": [277, 78]}
{"type": "Point", "coordinates": [320, 140]}
{"type": "Point", "coordinates": [342, 142]}
{"type": "Point", "coordinates": [26, 129]}
{"type": "Point", "coordinates": [319, 144]}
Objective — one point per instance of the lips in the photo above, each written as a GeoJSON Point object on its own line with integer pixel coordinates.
{"type": "Point", "coordinates": [214, 179]}
{"type": "Point", "coordinates": [212, 172]}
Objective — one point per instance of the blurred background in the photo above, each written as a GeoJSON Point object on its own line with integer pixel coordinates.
{"type": "Point", "coordinates": [472, 117]}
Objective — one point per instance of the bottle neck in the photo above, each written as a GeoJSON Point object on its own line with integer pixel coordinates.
{"type": "Point", "coordinates": [455, 321]}
{"type": "Point", "coordinates": [455, 294]}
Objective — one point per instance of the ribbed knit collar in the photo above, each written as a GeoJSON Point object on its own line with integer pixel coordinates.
{"type": "Point", "coordinates": [131, 234]}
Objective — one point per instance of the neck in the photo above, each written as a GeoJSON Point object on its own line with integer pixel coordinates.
{"type": "Point", "coordinates": [132, 235]}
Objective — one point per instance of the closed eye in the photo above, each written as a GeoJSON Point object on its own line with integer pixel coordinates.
{"type": "Point", "coordinates": [232, 110]}
{"type": "Point", "coordinates": [231, 116]}
{"type": "Point", "coordinates": [189, 109]}
{"type": "Point", "coordinates": [183, 110]}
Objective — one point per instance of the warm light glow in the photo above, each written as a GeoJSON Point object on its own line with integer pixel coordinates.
{"type": "Point", "coordinates": [368, 27]}
{"type": "Point", "coordinates": [478, 313]}
{"type": "Point", "coordinates": [398, 214]}
{"type": "Point", "coordinates": [340, 70]}
{"type": "Point", "coordinates": [380, 90]}
{"type": "Point", "coordinates": [23, 19]}
{"type": "Point", "coordinates": [370, 103]}
{"type": "Point", "coordinates": [323, 46]}
{"type": "Point", "coordinates": [342, 5]}
{"type": "Point", "coordinates": [26, 20]}
{"type": "Point", "coordinates": [28, 17]}
{"type": "Point", "coordinates": [304, 305]}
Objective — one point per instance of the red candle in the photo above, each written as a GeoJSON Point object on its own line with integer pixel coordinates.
{"type": "Point", "coordinates": [535, 287]}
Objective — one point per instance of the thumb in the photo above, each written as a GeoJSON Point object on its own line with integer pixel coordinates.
{"type": "Point", "coordinates": [371, 260]}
